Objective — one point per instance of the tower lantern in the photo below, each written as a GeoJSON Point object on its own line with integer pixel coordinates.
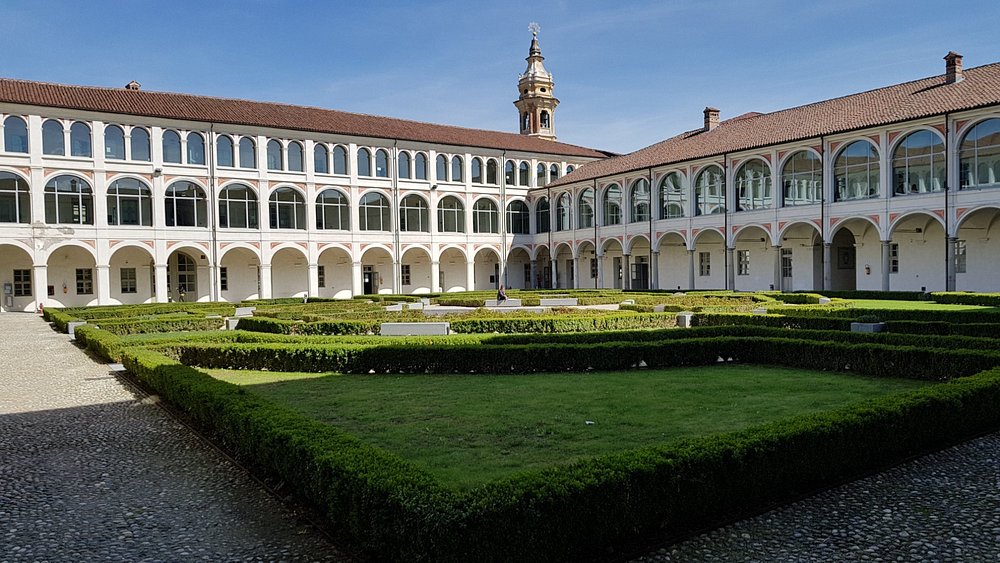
{"type": "Point", "coordinates": [536, 104]}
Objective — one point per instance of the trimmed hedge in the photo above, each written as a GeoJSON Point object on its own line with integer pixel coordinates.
{"type": "Point", "coordinates": [555, 323]}
{"type": "Point", "coordinates": [780, 321]}
{"type": "Point", "coordinates": [176, 324]}
{"type": "Point", "coordinates": [876, 294]}
{"type": "Point", "coordinates": [280, 326]}
{"type": "Point", "coordinates": [59, 317]}
{"type": "Point", "coordinates": [961, 298]}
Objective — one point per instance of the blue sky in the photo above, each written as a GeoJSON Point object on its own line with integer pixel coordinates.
{"type": "Point", "coordinates": [628, 73]}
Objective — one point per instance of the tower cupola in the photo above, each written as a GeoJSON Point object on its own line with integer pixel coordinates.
{"type": "Point", "coordinates": [535, 103]}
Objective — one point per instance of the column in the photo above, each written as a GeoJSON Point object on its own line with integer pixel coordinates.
{"type": "Point", "coordinates": [885, 265]}
{"type": "Point", "coordinates": [730, 268]}
{"type": "Point", "coordinates": [216, 293]}
{"type": "Point", "coordinates": [160, 277]}
{"type": "Point", "coordinates": [600, 271]}
{"type": "Point", "coordinates": [626, 273]}
{"type": "Point", "coordinates": [313, 274]}
{"type": "Point", "coordinates": [470, 275]}
{"type": "Point", "coordinates": [534, 275]}
{"type": "Point", "coordinates": [555, 273]}
{"type": "Point", "coordinates": [40, 285]}
{"type": "Point", "coordinates": [265, 281]}
{"type": "Point", "coordinates": [435, 276]}
{"type": "Point", "coordinates": [827, 272]}
{"type": "Point", "coordinates": [654, 275]}
{"type": "Point", "coordinates": [576, 273]}
{"type": "Point", "coordinates": [777, 268]}
{"type": "Point", "coordinates": [690, 269]}
{"type": "Point", "coordinates": [397, 277]}
{"type": "Point", "coordinates": [102, 279]}
{"type": "Point", "coordinates": [357, 284]}
{"type": "Point", "coordinates": [951, 281]}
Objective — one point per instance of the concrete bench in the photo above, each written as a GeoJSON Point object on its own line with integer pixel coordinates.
{"type": "Point", "coordinates": [71, 328]}
{"type": "Point", "coordinates": [685, 319]}
{"type": "Point", "coordinates": [867, 327]}
{"type": "Point", "coordinates": [760, 311]}
{"type": "Point", "coordinates": [824, 300]}
{"type": "Point", "coordinates": [415, 306]}
{"type": "Point", "coordinates": [394, 308]}
{"type": "Point", "coordinates": [559, 302]}
{"type": "Point", "coordinates": [244, 311]}
{"type": "Point", "coordinates": [506, 303]}
{"type": "Point", "coordinates": [536, 310]}
{"type": "Point", "coordinates": [414, 329]}
{"type": "Point", "coordinates": [231, 324]}
{"type": "Point", "coordinates": [628, 302]}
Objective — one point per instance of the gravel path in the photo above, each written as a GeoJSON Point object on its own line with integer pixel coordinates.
{"type": "Point", "coordinates": [89, 471]}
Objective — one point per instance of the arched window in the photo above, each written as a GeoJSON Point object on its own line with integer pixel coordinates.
{"type": "Point", "coordinates": [545, 120]}
{"type": "Point", "coordinates": [296, 160]}
{"type": "Point", "coordinates": [673, 197]}
{"type": "Point", "coordinates": [510, 174]}
{"type": "Point", "coordinates": [248, 153]}
{"type": "Point", "coordinates": [570, 168]}
{"type": "Point", "coordinates": [184, 204]}
{"type": "Point", "coordinates": [540, 175]}
{"type": "Point", "coordinates": [477, 171]}
{"type": "Point", "coordinates": [373, 211]}
{"type": "Point", "coordinates": [562, 213]}
{"type": "Point", "coordinates": [640, 200]}
{"type": "Point", "coordinates": [518, 222]}
{"type": "Point", "coordinates": [224, 151]}
{"type": "Point", "coordinates": [413, 214]}
{"type": "Point", "coordinates": [543, 223]}
{"type": "Point", "coordinates": [69, 201]}
{"type": "Point", "coordinates": [139, 141]}
{"type": "Point", "coordinates": [553, 172]}
{"type": "Point", "coordinates": [523, 174]}
{"type": "Point", "coordinates": [403, 165]}
{"type": "Point", "coordinates": [195, 148]}
{"type": "Point", "coordinates": [321, 159]}
{"type": "Point", "coordinates": [456, 169]}
{"type": "Point", "coordinates": [856, 171]}
{"type": "Point", "coordinates": [585, 209]}
{"type": "Point", "coordinates": [364, 162]}
{"type": "Point", "coordinates": [492, 176]}
{"type": "Point", "coordinates": [15, 135]}
{"type": "Point", "coordinates": [130, 202]}
{"type": "Point", "coordinates": [53, 140]}
{"type": "Point", "coordinates": [274, 157]}
{"type": "Point", "coordinates": [802, 179]}
{"type": "Point", "coordinates": [442, 168]}
{"type": "Point", "coordinates": [171, 147]}
{"type": "Point", "coordinates": [710, 191]}
{"type": "Point", "coordinates": [611, 204]}
{"type": "Point", "coordinates": [979, 156]}
{"type": "Point", "coordinates": [15, 200]}
{"type": "Point", "coordinates": [420, 166]}
{"type": "Point", "coordinates": [333, 211]}
{"type": "Point", "coordinates": [287, 209]}
{"type": "Point", "coordinates": [451, 215]}
{"type": "Point", "coordinates": [238, 207]}
{"type": "Point", "coordinates": [753, 185]}
{"type": "Point", "coordinates": [381, 164]}
{"type": "Point", "coordinates": [485, 217]}
{"type": "Point", "coordinates": [79, 140]}
{"type": "Point", "coordinates": [525, 121]}
{"type": "Point", "coordinates": [340, 160]}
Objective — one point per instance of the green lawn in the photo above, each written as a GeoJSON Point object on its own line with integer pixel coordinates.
{"type": "Point", "coordinates": [469, 429]}
{"type": "Point", "coordinates": [910, 305]}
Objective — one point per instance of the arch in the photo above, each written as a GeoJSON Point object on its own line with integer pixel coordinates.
{"type": "Point", "coordinates": [540, 177]}
{"type": "Point", "coordinates": [545, 120]}
{"type": "Point", "coordinates": [289, 271]}
{"type": "Point", "coordinates": [492, 175]}
{"type": "Point", "coordinates": [563, 204]}
{"type": "Point", "coordinates": [457, 166]}
{"type": "Point", "coordinates": [287, 208]}
{"type": "Point", "coordinates": [340, 160]}
{"type": "Point", "coordinates": [69, 199]}
{"type": "Point", "coordinates": [374, 212]}
{"type": "Point", "coordinates": [570, 168]}
{"type": "Point", "coordinates": [15, 134]}
{"type": "Point", "coordinates": [275, 158]}
{"type": "Point", "coordinates": [750, 227]}
{"type": "Point", "coordinates": [456, 247]}
{"type": "Point", "coordinates": [414, 214]}
{"type": "Point", "coordinates": [403, 165]}
{"type": "Point", "coordinates": [238, 207]}
{"type": "Point", "coordinates": [224, 151]}
{"type": "Point", "coordinates": [239, 246]}
{"type": "Point", "coordinates": [321, 159]}
{"type": "Point", "coordinates": [710, 190]}
{"type": "Point", "coordinates": [639, 197]}
{"type": "Point", "coordinates": [485, 216]}
{"type": "Point", "coordinates": [139, 143]}
{"type": "Point", "coordinates": [510, 173]}
{"type": "Point", "coordinates": [477, 171]}
{"type": "Point", "coordinates": [333, 210]}
{"type": "Point", "coordinates": [68, 243]}
{"type": "Point", "coordinates": [784, 230]}
{"type": "Point", "coordinates": [364, 162]}
{"type": "Point", "coordinates": [518, 218]}
{"type": "Point", "coordinates": [239, 272]}
{"type": "Point", "coordinates": [296, 158]}
{"type": "Point", "coordinates": [918, 163]}
{"type": "Point", "coordinates": [708, 232]}
{"type": "Point", "coordinates": [611, 205]}
{"type": "Point", "coordinates": [856, 171]}
{"type": "Point", "coordinates": [801, 178]}
{"type": "Point", "coordinates": [381, 164]}
{"type": "Point", "coordinates": [420, 166]}
{"type": "Point", "coordinates": [451, 215]}
{"type": "Point", "coordinates": [584, 246]}
{"type": "Point", "coordinates": [523, 174]}
{"type": "Point", "coordinates": [635, 239]}
{"type": "Point", "coordinates": [248, 153]}
{"type": "Point", "coordinates": [80, 141]}
{"type": "Point", "coordinates": [485, 268]}
{"type": "Point", "coordinates": [855, 218]}
{"type": "Point", "coordinates": [334, 265]}
{"type": "Point", "coordinates": [171, 144]}
{"type": "Point", "coordinates": [909, 215]}
{"type": "Point", "coordinates": [415, 269]}
{"type": "Point", "coordinates": [585, 209]}
{"type": "Point", "coordinates": [185, 204]}
{"type": "Point", "coordinates": [131, 273]}
{"type": "Point", "coordinates": [71, 271]}
{"type": "Point", "coordinates": [15, 198]}
{"type": "Point", "coordinates": [543, 221]}
{"type": "Point", "coordinates": [553, 172]}
{"type": "Point", "coordinates": [195, 148]}
{"type": "Point", "coordinates": [441, 171]}
{"type": "Point", "coordinates": [538, 250]}
{"type": "Point", "coordinates": [453, 270]}
{"type": "Point", "coordinates": [53, 138]}
{"type": "Point", "coordinates": [753, 185]}
{"type": "Point", "coordinates": [673, 197]}
{"type": "Point", "coordinates": [680, 239]}
{"type": "Point", "coordinates": [130, 202]}
{"type": "Point", "coordinates": [979, 155]}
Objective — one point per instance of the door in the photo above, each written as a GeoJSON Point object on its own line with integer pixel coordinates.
{"type": "Point", "coordinates": [640, 273]}
{"type": "Point", "coordinates": [368, 279]}
{"type": "Point", "coordinates": [616, 263]}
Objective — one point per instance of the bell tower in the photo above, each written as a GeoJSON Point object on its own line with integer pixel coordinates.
{"type": "Point", "coordinates": [535, 104]}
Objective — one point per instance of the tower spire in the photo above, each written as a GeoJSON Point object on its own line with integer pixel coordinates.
{"type": "Point", "coordinates": [535, 103]}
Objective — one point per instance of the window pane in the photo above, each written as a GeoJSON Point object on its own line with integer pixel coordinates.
{"type": "Point", "coordinates": [224, 151]}
{"type": "Point", "coordinates": [248, 153]}
{"type": "Point", "coordinates": [140, 144]}
{"type": "Point", "coordinates": [171, 147]}
{"type": "Point", "coordinates": [79, 140]}
{"type": "Point", "coordinates": [114, 143]}
{"type": "Point", "coordinates": [53, 141]}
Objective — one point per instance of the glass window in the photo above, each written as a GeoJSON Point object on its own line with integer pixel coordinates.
{"type": "Point", "coordinates": [451, 215]}
{"type": "Point", "coordinates": [893, 258]}
{"type": "Point", "coordinates": [275, 159]}
{"type": "Point", "coordinates": [248, 153]}
{"type": "Point", "coordinates": [224, 278]}
{"type": "Point", "coordinates": [53, 140]}
{"type": "Point", "coordinates": [321, 159]}
{"type": "Point", "coordinates": [553, 172]}
{"type": "Point", "coordinates": [296, 160]}
{"type": "Point", "coordinates": [404, 274]}
{"type": "Point", "coordinates": [420, 166]}
{"type": "Point", "coordinates": [69, 200]}
{"type": "Point", "coordinates": [15, 135]}
{"type": "Point", "coordinates": [238, 207]}
{"type": "Point", "coordinates": [15, 200]}
{"type": "Point", "coordinates": [961, 256]}
{"type": "Point", "coordinates": [562, 213]}
{"type": "Point", "coordinates": [979, 156]}
{"type": "Point", "coordinates": [442, 168]}
{"type": "Point", "coordinates": [171, 147]}
{"type": "Point", "coordinates": [184, 204]}
{"type": "Point", "coordinates": [22, 283]}
{"type": "Point", "coordinates": [492, 177]}
{"type": "Point", "coordinates": [518, 222]}
{"type": "Point", "coordinates": [139, 141]}
{"type": "Point", "coordinates": [540, 175]}
{"type": "Point", "coordinates": [332, 211]}
{"type": "Point", "coordinates": [413, 214]}
{"type": "Point", "coordinates": [640, 200]}
{"type": "Point", "coordinates": [786, 262]}
{"type": "Point", "coordinates": [128, 280]}
{"type": "Point", "coordinates": [224, 151]}
{"type": "Point", "coordinates": [339, 160]}
{"type": "Point", "coordinates": [753, 185]}
{"type": "Point", "coordinates": [918, 164]}
{"type": "Point", "coordinates": [130, 202]}
{"type": "Point", "coordinates": [673, 197]}
{"type": "Point", "coordinates": [510, 174]}
{"type": "Point", "coordinates": [710, 191]}
{"type": "Point", "coordinates": [403, 165]}
{"type": "Point", "coordinates": [585, 209]}
{"type": "Point", "coordinates": [456, 169]}
{"type": "Point", "coordinates": [523, 174]}
{"type": "Point", "coordinates": [545, 119]}
{"type": "Point", "coordinates": [373, 212]}
{"type": "Point", "coordinates": [195, 148]}
{"type": "Point", "coordinates": [742, 262]}
{"type": "Point", "coordinates": [364, 162]}
{"type": "Point", "coordinates": [704, 264]}
{"type": "Point", "coordinates": [570, 168]}
{"type": "Point", "coordinates": [321, 275]}
{"type": "Point", "coordinates": [287, 209]}
{"type": "Point", "coordinates": [802, 179]}
{"type": "Point", "coordinates": [543, 222]}
{"type": "Point", "coordinates": [485, 217]}
{"type": "Point", "coordinates": [79, 140]}
{"type": "Point", "coordinates": [856, 172]}
{"type": "Point", "coordinates": [381, 164]}
{"type": "Point", "coordinates": [84, 281]}
{"type": "Point", "coordinates": [612, 205]}
{"type": "Point", "coordinates": [477, 171]}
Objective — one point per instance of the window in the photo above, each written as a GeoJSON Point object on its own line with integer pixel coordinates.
{"type": "Point", "coordinates": [753, 186]}
{"type": "Point", "coordinates": [413, 214]}
{"type": "Point", "coordinates": [130, 202]}
{"type": "Point", "coordinates": [15, 201]}
{"type": "Point", "coordinates": [22, 283]}
{"type": "Point", "coordinates": [640, 200]}
{"type": "Point", "coordinates": [518, 218]}
{"type": "Point", "coordinates": [802, 179]}
{"type": "Point", "coordinates": [373, 210]}
{"type": "Point", "coordinates": [477, 171]}
{"type": "Point", "coordinates": [545, 120]}
{"type": "Point", "coordinates": [171, 147]}
{"type": "Point", "coordinates": [979, 156]}
{"type": "Point", "coordinates": [274, 157]}
{"type": "Point", "coordinates": [710, 191]}
{"type": "Point", "coordinates": [893, 258]}
{"type": "Point", "coordinates": [742, 262]}
{"type": "Point", "coordinates": [332, 211]}
{"type": "Point", "coordinates": [442, 168]}
{"type": "Point", "coordinates": [856, 171]}
{"type": "Point", "coordinates": [403, 165]}
{"type": "Point", "coordinates": [420, 166]}
{"type": "Point", "coordinates": [79, 140]}
{"type": "Point", "coordinates": [612, 205]}
{"type": "Point", "coordinates": [593, 268]}
{"type": "Point", "coordinates": [84, 281]}
{"type": "Point", "coordinates": [381, 164]}
{"type": "Point", "coordinates": [69, 200]}
{"type": "Point", "coordinates": [364, 162]}
{"type": "Point", "coordinates": [585, 209]}
{"type": "Point", "coordinates": [961, 256]}
{"type": "Point", "coordinates": [451, 215]}
{"type": "Point", "coordinates": [296, 159]}
{"type": "Point", "coordinates": [195, 148]}
{"type": "Point", "coordinates": [223, 278]}
{"type": "Point", "coordinates": [562, 213]}
{"type": "Point", "coordinates": [53, 141]}
{"type": "Point", "coordinates": [485, 217]}
{"type": "Point", "coordinates": [918, 164]}
{"type": "Point", "coordinates": [187, 274]}
{"type": "Point", "coordinates": [509, 174]}
{"type": "Point", "coordinates": [224, 151]}
{"type": "Point", "coordinates": [704, 264]}
{"type": "Point", "coordinates": [404, 274]}
{"type": "Point", "coordinates": [673, 198]}
{"type": "Point", "coordinates": [570, 168]}
{"type": "Point", "coordinates": [527, 275]}
{"type": "Point", "coordinates": [523, 172]}
{"type": "Point", "coordinates": [540, 175]}
{"type": "Point", "coordinates": [491, 172]}
{"type": "Point", "coordinates": [287, 209]}
{"type": "Point", "coordinates": [340, 160]}
{"type": "Point", "coordinates": [238, 207]}
{"type": "Point", "coordinates": [542, 222]}
{"type": "Point", "coordinates": [321, 159]}
{"type": "Point", "coordinates": [786, 262]}
{"type": "Point", "coordinates": [15, 135]}
{"type": "Point", "coordinates": [185, 205]}
{"type": "Point", "coordinates": [456, 169]}
{"type": "Point", "coordinates": [139, 140]}
{"type": "Point", "coordinates": [248, 153]}
{"type": "Point", "coordinates": [553, 172]}
{"type": "Point", "coordinates": [321, 275]}
{"type": "Point", "coordinates": [128, 280]}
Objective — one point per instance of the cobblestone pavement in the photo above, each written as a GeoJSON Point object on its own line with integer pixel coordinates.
{"type": "Point", "coordinates": [89, 471]}
{"type": "Point", "coordinates": [942, 507]}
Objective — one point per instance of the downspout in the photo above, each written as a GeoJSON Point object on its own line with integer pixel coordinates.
{"type": "Point", "coordinates": [822, 217]}
{"type": "Point", "coordinates": [502, 219]}
{"type": "Point", "coordinates": [397, 270]}
{"type": "Point", "coordinates": [950, 269]}
{"type": "Point", "coordinates": [597, 247]}
{"type": "Point", "coordinates": [214, 254]}
{"type": "Point", "coordinates": [552, 273]}
{"type": "Point", "coordinates": [725, 221]}
{"type": "Point", "coordinates": [649, 273]}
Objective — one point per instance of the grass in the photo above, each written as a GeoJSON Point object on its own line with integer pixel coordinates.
{"type": "Point", "coordinates": [910, 305]}
{"type": "Point", "coordinates": [470, 429]}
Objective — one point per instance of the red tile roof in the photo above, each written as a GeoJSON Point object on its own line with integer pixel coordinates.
{"type": "Point", "coordinates": [264, 114]}
{"type": "Point", "coordinates": [893, 104]}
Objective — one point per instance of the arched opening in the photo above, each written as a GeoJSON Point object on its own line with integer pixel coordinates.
{"type": "Point", "coordinates": [334, 273]}
{"type": "Point", "coordinates": [856, 172]}
{"type": "Point", "coordinates": [709, 260]}
{"type": "Point", "coordinates": [802, 179]}
{"type": "Point", "coordinates": [613, 264]}
{"type": "Point", "coordinates": [673, 196]}
{"type": "Point", "coordinates": [639, 197]}
{"type": "Point", "coordinates": [518, 218]}
{"type": "Point", "coordinates": [16, 272]}
{"type": "Point", "coordinates": [586, 265]}
{"type": "Point", "coordinates": [801, 258]}
{"type": "Point", "coordinates": [376, 272]}
{"type": "Point", "coordinates": [917, 254]}
{"type": "Point", "coordinates": [518, 274]}
{"type": "Point", "coordinates": [562, 277]}
{"type": "Point", "coordinates": [562, 212]}
{"type": "Point", "coordinates": [585, 209]}
{"type": "Point", "coordinates": [673, 262]}
{"type": "Point", "coordinates": [415, 270]}
{"type": "Point", "coordinates": [640, 263]}
{"type": "Point", "coordinates": [856, 256]}
{"type": "Point", "coordinates": [754, 260]}
{"type": "Point", "coordinates": [414, 215]}
{"type": "Point", "coordinates": [977, 256]}
{"type": "Point", "coordinates": [753, 185]}
{"type": "Point", "coordinates": [131, 276]}
{"type": "Point", "coordinates": [710, 191]}
{"type": "Point", "coordinates": [611, 205]}
{"type": "Point", "coordinates": [543, 268]}
{"type": "Point", "coordinates": [187, 276]}
{"type": "Point", "coordinates": [289, 273]}
{"type": "Point", "coordinates": [73, 274]}
{"type": "Point", "coordinates": [486, 269]}
{"type": "Point", "coordinates": [452, 270]}
{"type": "Point", "coordinates": [239, 275]}
{"type": "Point", "coordinates": [451, 215]}
{"type": "Point", "coordinates": [224, 153]}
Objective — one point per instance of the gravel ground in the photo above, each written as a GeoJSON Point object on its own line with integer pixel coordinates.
{"type": "Point", "coordinates": [90, 471]}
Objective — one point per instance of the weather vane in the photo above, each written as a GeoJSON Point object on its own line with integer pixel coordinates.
{"type": "Point", "coordinates": [534, 28]}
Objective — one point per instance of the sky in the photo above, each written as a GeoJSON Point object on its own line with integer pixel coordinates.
{"type": "Point", "coordinates": [627, 73]}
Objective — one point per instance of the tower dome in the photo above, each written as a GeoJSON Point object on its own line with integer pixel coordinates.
{"type": "Point", "coordinates": [535, 103]}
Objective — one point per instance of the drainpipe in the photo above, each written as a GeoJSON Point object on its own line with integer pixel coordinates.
{"type": "Point", "coordinates": [827, 246]}
{"type": "Point", "coordinates": [727, 253]}
{"type": "Point", "coordinates": [598, 255]}
{"type": "Point", "coordinates": [213, 211]}
{"type": "Point", "coordinates": [950, 269]}
{"type": "Point", "coordinates": [502, 219]}
{"type": "Point", "coordinates": [650, 276]}
{"type": "Point", "coordinates": [397, 267]}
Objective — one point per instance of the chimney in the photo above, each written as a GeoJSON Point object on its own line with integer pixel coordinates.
{"type": "Point", "coordinates": [133, 85]}
{"type": "Point", "coordinates": [953, 67]}
{"type": "Point", "coordinates": [711, 118]}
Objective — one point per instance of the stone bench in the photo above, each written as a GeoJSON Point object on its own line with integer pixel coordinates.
{"type": "Point", "coordinates": [394, 308]}
{"type": "Point", "coordinates": [559, 302]}
{"type": "Point", "coordinates": [232, 323]}
{"type": "Point", "coordinates": [506, 303]}
{"type": "Point", "coordinates": [536, 310]}
{"type": "Point", "coordinates": [824, 300]}
{"type": "Point", "coordinates": [414, 329]}
{"type": "Point", "coordinates": [244, 311]}
{"type": "Point", "coordinates": [685, 319]}
{"type": "Point", "coordinates": [760, 311]}
{"type": "Point", "coordinates": [71, 328]}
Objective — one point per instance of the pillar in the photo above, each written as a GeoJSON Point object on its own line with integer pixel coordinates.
{"type": "Point", "coordinates": [265, 281]}
{"type": "Point", "coordinates": [690, 269]}
{"type": "Point", "coordinates": [576, 273]}
{"type": "Point", "coordinates": [357, 283]}
{"type": "Point", "coordinates": [534, 275]}
{"type": "Point", "coordinates": [40, 285]}
{"type": "Point", "coordinates": [102, 279]}
{"type": "Point", "coordinates": [777, 268]}
{"type": "Point", "coordinates": [654, 275]}
{"type": "Point", "coordinates": [470, 275]}
{"type": "Point", "coordinates": [160, 275]}
{"type": "Point", "coordinates": [730, 268]}
{"type": "Point", "coordinates": [885, 265]}
{"type": "Point", "coordinates": [600, 271]}
{"type": "Point", "coordinates": [435, 276]}
{"type": "Point", "coordinates": [951, 281]}
{"type": "Point", "coordinates": [555, 273]}
{"type": "Point", "coordinates": [626, 273]}
{"type": "Point", "coordinates": [313, 274]}
{"type": "Point", "coordinates": [827, 272]}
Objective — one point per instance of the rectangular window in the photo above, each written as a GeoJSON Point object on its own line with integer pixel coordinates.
{"type": "Point", "coordinates": [321, 275]}
{"type": "Point", "coordinates": [404, 274]}
{"type": "Point", "coordinates": [893, 258]}
{"type": "Point", "coordinates": [84, 281]}
{"type": "Point", "coordinates": [22, 283]}
{"type": "Point", "coordinates": [128, 280]}
{"type": "Point", "coordinates": [742, 262]}
{"type": "Point", "coordinates": [786, 262]}
{"type": "Point", "coordinates": [527, 275]}
{"type": "Point", "coordinates": [960, 256]}
{"type": "Point", "coordinates": [593, 268]}
{"type": "Point", "coordinates": [224, 278]}
{"type": "Point", "coordinates": [704, 264]}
